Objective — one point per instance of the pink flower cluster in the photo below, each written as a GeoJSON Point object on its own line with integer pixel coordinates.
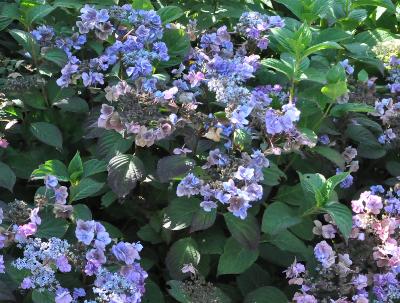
{"type": "Point", "coordinates": [366, 267]}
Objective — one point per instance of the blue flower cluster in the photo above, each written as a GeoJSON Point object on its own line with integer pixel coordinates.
{"type": "Point", "coordinates": [235, 182]}
{"type": "Point", "coordinates": [137, 45]}
{"type": "Point", "coordinates": [127, 285]}
{"type": "Point", "coordinates": [255, 26]}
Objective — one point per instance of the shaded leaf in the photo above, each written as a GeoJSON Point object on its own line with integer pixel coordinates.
{"type": "Point", "coordinates": [124, 171]}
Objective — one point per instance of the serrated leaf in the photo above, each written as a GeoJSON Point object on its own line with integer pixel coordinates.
{"type": "Point", "coordinates": [44, 296]}
{"type": "Point", "coordinates": [278, 217]}
{"type": "Point", "coordinates": [93, 167]}
{"type": "Point", "coordinates": [108, 198]}
{"type": "Point", "coordinates": [170, 13]}
{"type": "Point", "coordinates": [51, 226]}
{"type": "Point", "coordinates": [38, 12]}
{"type": "Point", "coordinates": [203, 220]}
{"type": "Point", "coordinates": [72, 104]}
{"type": "Point", "coordinates": [7, 177]}
{"type": "Point", "coordinates": [236, 258]}
{"type": "Point", "coordinates": [81, 211]}
{"type": "Point", "coordinates": [342, 216]}
{"type": "Point", "coordinates": [57, 56]}
{"type": "Point", "coordinates": [266, 294]}
{"type": "Point", "coordinates": [27, 41]}
{"type": "Point", "coordinates": [173, 166]}
{"type": "Point", "coordinates": [47, 133]}
{"type": "Point", "coordinates": [85, 188]}
{"type": "Point", "coordinates": [286, 241]}
{"type": "Point", "coordinates": [176, 290]}
{"type": "Point", "coordinates": [124, 171]}
{"type": "Point", "coordinates": [51, 167]}
{"type": "Point", "coordinates": [341, 109]}
{"type": "Point", "coordinates": [331, 154]}
{"type": "Point", "coordinates": [179, 213]}
{"type": "Point", "coordinates": [246, 232]}
{"type": "Point", "coordinates": [183, 251]}
{"type": "Point", "coordinates": [75, 167]}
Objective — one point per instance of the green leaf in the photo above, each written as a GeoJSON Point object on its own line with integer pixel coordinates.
{"type": "Point", "coordinates": [331, 154]}
{"type": "Point", "coordinates": [51, 167]}
{"type": "Point", "coordinates": [279, 66]}
{"type": "Point", "coordinates": [72, 104]}
{"type": "Point", "coordinates": [44, 296]}
{"type": "Point", "coordinates": [246, 231]}
{"type": "Point", "coordinates": [75, 4]}
{"type": "Point", "coordinates": [286, 241]}
{"type": "Point", "coordinates": [124, 171]}
{"type": "Point", "coordinates": [75, 168]}
{"type": "Point", "coordinates": [176, 290]}
{"type": "Point", "coordinates": [112, 230]}
{"type": "Point", "coordinates": [85, 188]}
{"type": "Point", "coordinates": [6, 294]}
{"type": "Point", "coordinates": [93, 167]}
{"type": "Point", "coordinates": [321, 46]}
{"type": "Point", "coordinates": [47, 133]}
{"type": "Point", "coordinates": [340, 110]}
{"type": "Point", "coordinates": [266, 294]}
{"type": "Point", "coordinates": [108, 198]}
{"type": "Point", "coordinates": [26, 41]}
{"type": "Point", "coordinates": [272, 175]}
{"type": "Point", "coordinates": [331, 183]}
{"type": "Point", "coordinates": [241, 139]}
{"type": "Point", "coordinates": [57, 56]}
{"type": "Point", "coordinates": [34, 99]}
{"type": "Point", "coordinates": [56, 93]}
{"type": "Point", "coordinates": [179, 213]}
{"type": "Point", "coordinates": [8, 13]}
{"type": "Point", "coordinates": [393, 168]}
{"type": "Point", "coordinates": [331, 34]}
{"type": "Point", "coordinates": [253, 278]}
{"type": "Point", "coordinates": [7, 177]}
{"type": "Point", "coordinates": [38, 12]}
{"type": "Point", "coordinates": [236, 258]}
{"type": "Point", "coordinates": [362, 76]}
{"type": "Point", "coordinates": [153, 293]}
{"type": "Point", "coordinates": [142, 4]}
{"type": "Point", "coordinates": [290, 194]}
{"type": "Point", "coordinates": [203, 220]}
{"type": "Point", "coordinates": [183, 251]}
{"type": "Point", "coordinates": [334, 90]}
{"type": "Point", "coordinates": [178, 44]}
{"type": "Point", "coordinates": [173, 166]}
{"type": "Point", "coordinates": [278, 217]}
{"type": "Point", "coordinates": [170, 13]}
{"type": "Point", "coordinates": [312, 185]}
{"type": "Point", "coordinates": [111, 143]}
{"type": "Point", "coordinates": [81, 211]}
{"type": "Point", "coordinates": [342, 216]}
{"type": "Point", "coordinates": [51, 226]}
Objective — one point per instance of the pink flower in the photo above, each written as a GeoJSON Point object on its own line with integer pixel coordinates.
{"type": "Point", "coordinates": [374, 204]}
{"type": "Point", "coordinates": [357, 206]}
{"type": "Point", "coordinates": [328, 231]}
{"type": "Point", "coordinates": [25, 231]}
{"type": "Point", "coordinates": [3, 143]}
{"type": "Point", "coordinates": [170, 93]}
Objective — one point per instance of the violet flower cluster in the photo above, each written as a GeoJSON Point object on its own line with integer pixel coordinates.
{"type": "Point", "coordinates": [137, 45]}
{"type": "Point", "coordinates": [255, 26]}
{"type": "Point", "coordinates": [234, 183]}
{"type": "Point", "coordinates": [388, 111]}
{"type": "Point", "coordinates": [367, 268]}
{"type": "Point", "coordinates": [44, 260]}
